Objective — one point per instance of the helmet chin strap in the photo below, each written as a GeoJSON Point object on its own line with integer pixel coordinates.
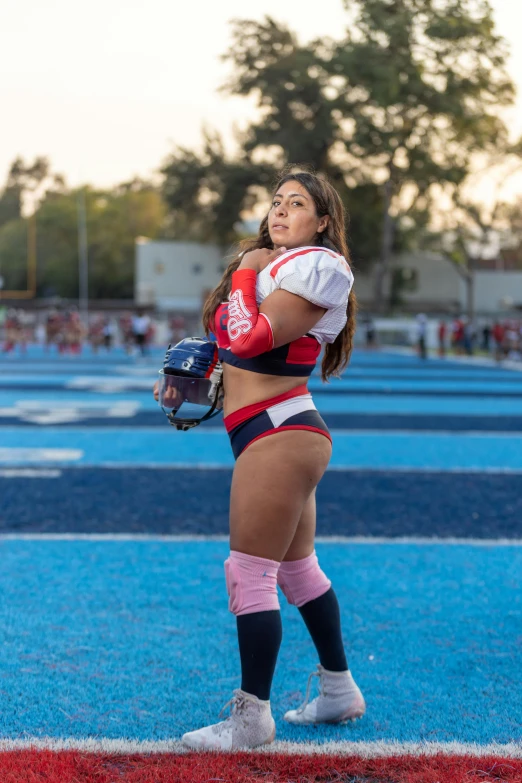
{"type": "Point", "coordinates": [184, 427]}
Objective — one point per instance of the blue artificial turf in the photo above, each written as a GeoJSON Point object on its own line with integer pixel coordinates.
{"type": "Point", "coordinates": [372, 450]}
{"type": "Point", "coordinates": [505, 389]}
{"type": "Point", "coordinates": [134, 640]}
{"type": "Point", "coordinates": [89, 415]}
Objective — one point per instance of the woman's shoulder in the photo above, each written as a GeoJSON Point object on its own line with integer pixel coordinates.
{"type": "Point", "coordinates": [305, 259]}
{"type": "Point", "coordinates": [315, 273]}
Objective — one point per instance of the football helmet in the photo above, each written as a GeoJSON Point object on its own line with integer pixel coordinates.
{"type": "Point", "coordinates": [190, 383]}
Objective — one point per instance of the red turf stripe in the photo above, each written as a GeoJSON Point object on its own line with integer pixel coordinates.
{"type": "Point", "coordinates": [82, 767]}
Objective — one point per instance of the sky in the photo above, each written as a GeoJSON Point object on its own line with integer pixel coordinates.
{"type": "Point", "coordinates": [107, 88]}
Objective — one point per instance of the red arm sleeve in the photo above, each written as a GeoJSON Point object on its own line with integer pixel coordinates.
{"type": "Point", "coordinates": [249, 331]}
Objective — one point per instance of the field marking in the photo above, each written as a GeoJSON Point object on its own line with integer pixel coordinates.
{"type": "Point", "coordinates": [32, 455]}
{"type": "Point", "coordinates": [29, 473]}
{"type": "Point", "coordinates": [188, 538]}
{"type": "Point", "coordinates": [472, 361]}
{"type": "Point", "coordinates": [69, 412]}
{"type": "Point", "coordinates": [366, 750]}
{"type": "Point", "coordinates": [53, 457]}
{"type": "Point", "coordinates": [337, 468]}
{"type": "Point", "coordinates": [219, 431]}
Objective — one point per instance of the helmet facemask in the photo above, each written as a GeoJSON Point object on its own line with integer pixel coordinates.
{"type": "Point", "coordinates": [187, 401]}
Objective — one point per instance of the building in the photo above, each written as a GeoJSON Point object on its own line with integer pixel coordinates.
{"type": "Point", "coordinates": [176, 276]}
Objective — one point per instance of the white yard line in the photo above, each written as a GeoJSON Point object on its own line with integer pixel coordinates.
{"type": "Point", "coordinates": [183, 538]}
{"type": "Point", "coordinates": [38, 455]}
{"type": "Point", "coordinates": [58, 462]}
{"type": "Point", "coordinates": [335, 468]}
{"type": "Point", "coordinates": [359, 749]}
{"type": "Point", "coordinates": [29, 473]}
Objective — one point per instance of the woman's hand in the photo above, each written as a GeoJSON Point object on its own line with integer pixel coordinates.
{"type": "Point", "coordinates": [172, 397]}
{"type": "Point", "coordinates": [259, 259]}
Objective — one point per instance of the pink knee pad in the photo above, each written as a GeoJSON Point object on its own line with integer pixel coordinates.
{"type": "Point", "coordinates": [251, 583]}
{"type": "Point", "coordinates": [302, 580]}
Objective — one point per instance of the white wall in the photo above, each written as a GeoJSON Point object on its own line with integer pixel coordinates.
{"type": "Point", "coordinates": [492, 288]}
{"type": "Point", "coordinates": [175, 275]}
{"type": "Point", "coordinates": [401, 331]}
{"type": "Point", "coordinates": [438, 283]}
{"type": "Point", "coordinates": [437, 279]}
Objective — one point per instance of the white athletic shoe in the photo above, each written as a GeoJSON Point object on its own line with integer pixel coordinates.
{"type": "Point", "coordinates": [339, 700]}
{"type": "Point", "coordinates": [249, 725]}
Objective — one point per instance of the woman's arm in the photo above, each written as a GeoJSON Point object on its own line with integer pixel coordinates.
{"type": "Point", "coordinates": [290, 315]}
{"type": "Point", "coordinates": [283, 317]}
{"type": "Point", "coordinates": [250, 333]}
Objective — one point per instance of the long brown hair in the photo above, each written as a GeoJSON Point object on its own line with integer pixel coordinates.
{"type": "Point", "coordinates": [327, 202]}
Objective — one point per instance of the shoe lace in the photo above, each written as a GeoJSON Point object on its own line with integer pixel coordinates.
{"type": "Point", "coordinates": [308, 688]}
{"type": "Point", "coordinates": [237, 706]}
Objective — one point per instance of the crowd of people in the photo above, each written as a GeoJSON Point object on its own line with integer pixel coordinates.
{"type": "Point", "coordinates": [135, 332]}
{"type": "Point", "coordinates": [502, 338]}
{"type": "Point", "coordinates": [65, 332]}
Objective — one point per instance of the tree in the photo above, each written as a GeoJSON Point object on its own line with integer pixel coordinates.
{"type": "Point", "coordinates": [419, 89]}
{"type": "Point", "coordinates": [13, 254]}
{"type": "Point", "coordinates": [474, 233]}
{"type": "Point", "coordinates": [468, 239]}
{"type": "Point", "coordinates": [298, 123]}
{"type": "Point", "coordinates": [10, 204]}
{"type": "Point", "coordinates": [28, 181]}
{"type": "Point", "coordinates": [404, 101]}
{"type": "Point", "coordinates": [291, 86]}
{"type": "Point", "coordinates": [510, 250]}
{"type": "Point", "coordinates": [471, 233]}
{"type": "Point", "coordinates": [206, 194]}
{"type": "Point", "coordinates": [114, 220]}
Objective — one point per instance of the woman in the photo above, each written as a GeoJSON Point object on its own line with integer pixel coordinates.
{"type": "Point", "coordinates": [286, 294]}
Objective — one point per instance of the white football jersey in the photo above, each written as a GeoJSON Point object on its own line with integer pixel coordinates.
{"type": "Point", "coordinates": [319, 275]}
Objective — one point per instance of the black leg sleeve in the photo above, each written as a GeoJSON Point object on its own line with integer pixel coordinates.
{"type": "Point", "coordinates": [259, 636]}
{"type": "Point", "coordinates": [323, 620]}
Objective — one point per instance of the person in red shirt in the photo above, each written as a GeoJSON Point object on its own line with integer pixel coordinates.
{"type": "Point", "coordinates": [499, 333]}
{"type": "Point", "coordinates": [457, 336]}
{"type": "Point", "coordinates": [442, 339]}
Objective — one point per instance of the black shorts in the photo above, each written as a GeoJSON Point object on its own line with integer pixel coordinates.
{"type": "Point", "coordinates": [293, 410]}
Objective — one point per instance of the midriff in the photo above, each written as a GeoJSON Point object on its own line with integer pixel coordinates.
{"type": "Point", "coordinates": [243, 387]}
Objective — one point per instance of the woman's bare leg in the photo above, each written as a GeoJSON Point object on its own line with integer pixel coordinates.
{"type": "Point", "coordinates": [309, 589]}
{"type": "Point", "coordinates": [303, 542]}
{"type": "Point", "coordinates": [321, 614]}
{"type": "Point", "coordinates": [273, 480]}
{"type": "Point", "coordinates": [272, 483]}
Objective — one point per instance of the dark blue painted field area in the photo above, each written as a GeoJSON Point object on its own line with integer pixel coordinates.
{"type": "Point", "coordinates": [350, 503]}
{"type": "Point", "coordinates": [127, 634]}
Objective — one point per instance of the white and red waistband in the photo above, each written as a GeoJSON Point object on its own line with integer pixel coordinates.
{"type": "Point", "coordinates": [233, 420]}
